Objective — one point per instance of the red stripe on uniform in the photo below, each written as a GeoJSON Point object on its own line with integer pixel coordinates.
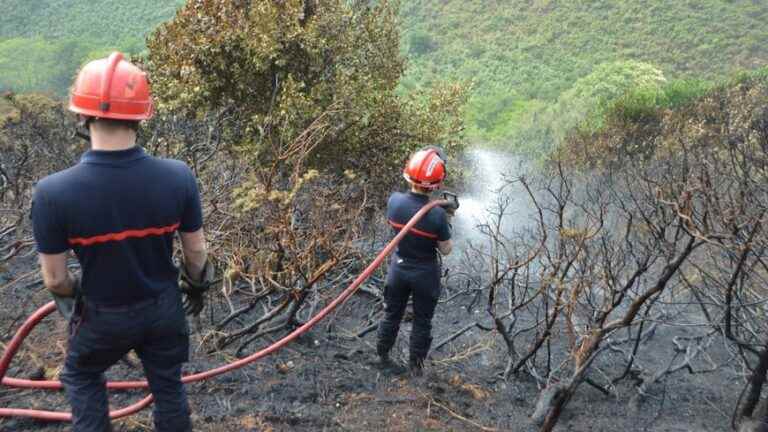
{"type": "Point", "coordinates": [120, 236]}
{"type": "Point", "coordinates": [414, 231]}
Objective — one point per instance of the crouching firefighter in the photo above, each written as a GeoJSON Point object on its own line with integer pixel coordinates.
{"type": "Point", "coordinates": [118, 210]}
{"type": "Point", "coordinates": [414, 268]}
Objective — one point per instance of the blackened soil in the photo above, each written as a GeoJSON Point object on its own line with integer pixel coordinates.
{"type": "Point", "coordinates": [327, 381]}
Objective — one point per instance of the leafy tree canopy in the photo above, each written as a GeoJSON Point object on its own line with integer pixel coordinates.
{"type": "Point", "coordinates": [271, 68]}
{"type": "Point", "coordinates": [607, 82]}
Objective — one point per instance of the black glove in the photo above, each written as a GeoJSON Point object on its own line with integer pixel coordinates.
{"type": "Point", "coordinates": [194, 290]}
{"type": "Point", "coordinates": [449, 209]}
{"type": "Point", "coordinates": [453, 203]}
{"type": "Point", "coordinates": [67, 304]}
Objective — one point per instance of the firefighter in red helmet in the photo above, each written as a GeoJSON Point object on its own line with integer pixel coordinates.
{"type": "Point", "coordinates": [414, 269]}
{"type": "Point", "coordinates": [118, 210]}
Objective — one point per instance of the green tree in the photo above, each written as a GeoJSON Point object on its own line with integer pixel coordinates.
{"type": "Point", "coordinates": [43, 42]}
{"type": "Point", "coordinates": [588, 96]}
{"type": "Point", "coordinates": [275, 66]}
{"type": "Point", "coordinates": [544, 128]}
{"type": "Point", "coordinates": [420, 43]}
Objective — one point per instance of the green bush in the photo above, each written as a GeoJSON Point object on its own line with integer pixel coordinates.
{"type": "Point", "coordinates": [421, 43]}
{"type": "Point", "coordinates": [644, 103]}
{"type": "Point", "coordinates": [683, 91]}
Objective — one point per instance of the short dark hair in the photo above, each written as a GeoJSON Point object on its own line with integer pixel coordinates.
{"type": "Point", "coordinates": [130, 124]}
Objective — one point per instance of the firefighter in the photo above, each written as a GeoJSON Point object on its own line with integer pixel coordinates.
{"type": "Point", "coordinates": [414, 269]}
{"type": "Point", "coordinates": [118, 210]}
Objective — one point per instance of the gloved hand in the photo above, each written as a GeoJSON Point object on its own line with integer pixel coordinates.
{"type": "Point", "coordinates": [452, 205]}
{"type": "Point", "coordinates": [194, 290]}
{"type": "Point", "coordinates": [66, 304]}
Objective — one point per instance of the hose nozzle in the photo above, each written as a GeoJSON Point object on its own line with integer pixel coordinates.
{"type": "Point", "coordinates": [453, 201]}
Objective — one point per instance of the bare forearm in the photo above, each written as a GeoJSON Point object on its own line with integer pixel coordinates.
{"type": "Point", "coordinates": [195, 262]}
{"type": "Point", "coordinates": [195, 252]}
{"type": "Point", "coordinates": [56, 276]}
{"type": "Point", "coordinates": [445, 247]}
{"type": "Point", "coordinates": [63, 286]}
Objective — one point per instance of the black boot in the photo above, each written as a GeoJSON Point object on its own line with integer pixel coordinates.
{"type": "Point", "coordinates": [387, 365]}
{"type": "Point", "coordinates": [420, 343]}
{"type": "Point", "coordinates": [383, 353]}
{"type": "Point", "coordinates": [416, 366]}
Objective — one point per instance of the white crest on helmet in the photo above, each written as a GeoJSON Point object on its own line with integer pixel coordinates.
{"type": "Point", "coordinates": [432, 164]}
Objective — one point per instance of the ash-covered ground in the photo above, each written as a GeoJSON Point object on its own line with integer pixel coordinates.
{"type": "Point", "coordinates": [328, 380]}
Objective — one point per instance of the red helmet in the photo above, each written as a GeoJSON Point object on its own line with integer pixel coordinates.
{"type": "Point", "coordinates": [112, 88]}
{"type": "Point", "coordinates": [425, 169]}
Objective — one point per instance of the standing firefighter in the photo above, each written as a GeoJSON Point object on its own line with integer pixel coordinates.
{"type": "Point", "coordinates": [414, 268]}
{"type": "Point", "coordinates": [118, 210]}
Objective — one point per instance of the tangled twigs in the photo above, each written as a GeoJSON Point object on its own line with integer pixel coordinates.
{"type": "Point", "coordinates": [21, 278]}
{"type": "Point", "coordinates": [609, 250]}
{"type": "Point", "coordinates": [231, 337]}
{"type": "Point", "coordinates": [287, 229]}
{"type": "Point", "coordinates": [14, 248]}
{"type": "Point", "coordinates": [252, 303]}
{"type": "Point", "coordinates": [689, 353]}
{"type": "Point", "coordinates": [7, 230]}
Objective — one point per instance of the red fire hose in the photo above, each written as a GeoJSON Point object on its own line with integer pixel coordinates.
{"type": "Point", "coordinates": [44, 311]}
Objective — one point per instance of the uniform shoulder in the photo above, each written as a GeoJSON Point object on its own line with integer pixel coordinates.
{"type": "Point", "coordinates": [57, 182]}
{"type": "Point", "coordinates": [177, 167]}
{"type": "Point", "coordinates": [174, 164]}
{"type": "Point", "coordinates": [396, 196]}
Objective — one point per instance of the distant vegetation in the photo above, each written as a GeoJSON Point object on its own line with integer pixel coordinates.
{"type": "Point", "coordinates": [659, 121]}
{"type": "Point", "coordinates": [527, 58]}
{"type": "Point", "coordinates": [43, 42]}
{"type": "Point", "coordinates": [538, 67]}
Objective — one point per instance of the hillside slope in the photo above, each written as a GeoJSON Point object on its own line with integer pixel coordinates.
{"type": "Point", "coordinates": [525, 53]}
{"type": "Point", "coordinates": [106, 20]}
{"type": "Point", "coordinates": [521, 54]}
{"type": "Point", "coordinates": [42, 42]}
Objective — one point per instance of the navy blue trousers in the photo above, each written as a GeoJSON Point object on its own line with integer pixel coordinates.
{"type": "Point", "coordinates": [405, 279]}
{"type": "Point", "coordinates": [100, 336]}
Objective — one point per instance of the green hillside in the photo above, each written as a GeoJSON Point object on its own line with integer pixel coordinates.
{"type": "Point", "coordinates": [102, 20]}
{"type": "Point", "coordinates": [42, 42]}
{"type": "Point", "coordinates": [539, 67]}
{"type": "Point", "coordinates": [523, 54]}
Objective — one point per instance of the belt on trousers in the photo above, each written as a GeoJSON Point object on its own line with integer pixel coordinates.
{"type": "Point", "coordinates": [125, 307]}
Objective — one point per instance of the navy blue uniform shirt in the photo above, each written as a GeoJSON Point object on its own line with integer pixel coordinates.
{"type": "Point", "coordinates": [118, 211]}
{"type": "Point", "coordinates": [420, 244]}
